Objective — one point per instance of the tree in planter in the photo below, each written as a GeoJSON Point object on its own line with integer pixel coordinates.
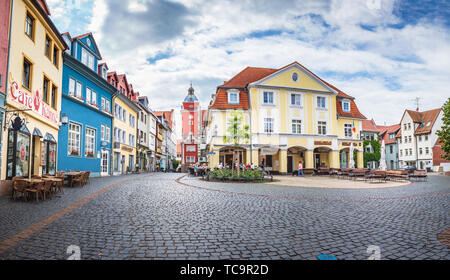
{"type": "Point", "coordinates": [444, 132]}
{"type": "Point", "coordinates": [237, 134]}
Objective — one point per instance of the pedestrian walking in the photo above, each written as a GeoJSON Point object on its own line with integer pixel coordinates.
{"type": "Point", "coordinates": [300, 168]}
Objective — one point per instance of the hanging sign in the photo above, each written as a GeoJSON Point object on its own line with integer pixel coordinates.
{"type": "Point", "coordinates": [269, 151]}
{"type": "Point", "coordinates": [32, 102]}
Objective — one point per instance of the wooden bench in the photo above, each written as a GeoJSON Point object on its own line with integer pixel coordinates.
{"type": "Point", "coordinates": [419, 175]}
{"type": "Point", "coordinates": [357, 173]}
{"type": "Point", "coordinates": [343, 173]}
{"type": "Point", "coordinates": [376, 176]}
{"type": "Point", "coordinates": [397, 174]}
{"type": "Point", "coordinates": [322, 171]}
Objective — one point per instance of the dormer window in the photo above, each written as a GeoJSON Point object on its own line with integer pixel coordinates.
{"type": "Point", "coordinates": [346, 106]}
{"type": "Point", "coordinates": [233, 97]}
{"type": "Point", "coordinates": [87, 58]}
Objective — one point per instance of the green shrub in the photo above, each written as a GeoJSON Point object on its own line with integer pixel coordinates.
{"type": "Point", "coordinates": [228, 174]}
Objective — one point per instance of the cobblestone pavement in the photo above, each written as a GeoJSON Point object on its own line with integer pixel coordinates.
{"type": "Point", "coordinates": [153, 216]}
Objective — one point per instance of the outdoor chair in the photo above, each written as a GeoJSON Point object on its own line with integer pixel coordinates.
{"type": "Point", "coordinates": [47, 189]}
{"type": "Point", "coordinates": [78, 179]}
{"type": "Point", "coordinates": [19, 187]}
{"type": "Point", "coordinates": [36, 190]}
{"type": "Point", "coordinates": [59, 185]}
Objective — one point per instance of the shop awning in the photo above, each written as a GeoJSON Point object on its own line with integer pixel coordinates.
{"type": "Point", "coordinates": [49, 138]}
{"type": "Point", "coordinates": [37, 132]}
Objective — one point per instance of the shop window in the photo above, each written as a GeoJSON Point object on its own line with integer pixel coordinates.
{"type": "Point", "coordinates": [48, 155]}
{"type": "Point", "coordinates": [18, 157]}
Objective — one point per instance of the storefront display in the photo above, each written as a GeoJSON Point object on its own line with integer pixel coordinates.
{"type": "Point", "coordinates": [18, 158]}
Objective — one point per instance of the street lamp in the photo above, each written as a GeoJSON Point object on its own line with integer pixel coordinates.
{"type": "Point", "coordinates": [64, 119]}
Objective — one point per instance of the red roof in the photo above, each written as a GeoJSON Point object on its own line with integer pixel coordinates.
{"type": "Point", "coordinates": [44, 6]}
{"type": "Point", "coordinates": [248, 75]}
{"type": "Point", "coordinates": [369, 125]}
{"type": "Point", "coordinates": [167, 115]}
{"type": "Point", "coordinates": [389, 130]}
{"type": "Point", "coordinates": [425, 119]}
{"type": "Point", "coordinates": [253, 74]}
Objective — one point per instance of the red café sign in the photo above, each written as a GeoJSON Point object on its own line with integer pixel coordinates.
{"type": "Point", "coordinates": [33, 102]}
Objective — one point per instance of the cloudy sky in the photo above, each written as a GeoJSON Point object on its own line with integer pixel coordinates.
{"type": "Point", "coordinates": [385, 53]}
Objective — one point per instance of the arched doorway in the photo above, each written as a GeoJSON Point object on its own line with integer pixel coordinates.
{"type": "Point", "coordinates": [321, 157]}
{"type": "Point", "coordinates": [268, 157]}
{"type": "Point", "coordinates": [295, 154]}
{"type": "Point", "coordinates": [226, 155]}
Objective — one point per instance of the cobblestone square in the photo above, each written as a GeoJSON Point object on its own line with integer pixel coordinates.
{"type": "Point", "coordinates": [172, 216]}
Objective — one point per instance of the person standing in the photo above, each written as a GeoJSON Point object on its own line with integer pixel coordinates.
{"type": "Point", "coordinates": [300, 168]}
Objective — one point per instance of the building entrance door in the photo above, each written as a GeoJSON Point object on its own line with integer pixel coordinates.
{"type": "Point", "coordinates": [289, 164]}
{"type": "Point", "coordinates": [104, 163]}
{"type": "Point", "coordinates": [123, 164]}
{"type": "Point", "coordinates": [316, 161]}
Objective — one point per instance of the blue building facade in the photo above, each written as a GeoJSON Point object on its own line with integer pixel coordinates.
{"type": "Point", "coordinates": [85, 134]}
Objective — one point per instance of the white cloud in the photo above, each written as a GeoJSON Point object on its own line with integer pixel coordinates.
{"type": "Point", "coordinates": [384, 68]}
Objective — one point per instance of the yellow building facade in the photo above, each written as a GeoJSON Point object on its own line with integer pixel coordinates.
{"type": "Point", "coordinates": [294, 116]}
{"type": "Point", "coordinates": [124, 134]}
{"type": "Point", "coordinates": [33, 100]}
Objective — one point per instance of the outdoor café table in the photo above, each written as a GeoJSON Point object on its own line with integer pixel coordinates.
{"type": "Point", "coordinates": [71, 175]}
{"type": "Point", "coordinates": [32, 181]}
{"type": "Point", "coordinates": [53, 179]}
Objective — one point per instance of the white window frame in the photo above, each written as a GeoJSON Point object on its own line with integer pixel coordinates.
{"type": "Point", "coordinates": [295, 95]}
{"type": "Point", "coordinates": [74, 139]}
{"type": "Point", "coordinates": [268, 99]}
{"type": "Point", "coordinates": [90, 141]}
{"type": "Point", "coordinates": [232, 93]}
{"type": "Point", "coordinates": [72, 86]}
{"type": "Point", "coordinates": [324, 103]}
{"type": "Point", "coordinates": [346, 129]}
{"type": "Point", "coordinates": [296, 125]}
{"type": "Point", "coordinates": [320, 124]}
{"type": "Point", "coordinates": [269, 125]}
{"type": "Point", "coordinates": [87, 58]}
{"type": "Point", "coordinates": [343, 106]}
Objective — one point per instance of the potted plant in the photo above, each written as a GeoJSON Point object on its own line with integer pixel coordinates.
{"type": "Point", "coordinates": [74, 153]}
